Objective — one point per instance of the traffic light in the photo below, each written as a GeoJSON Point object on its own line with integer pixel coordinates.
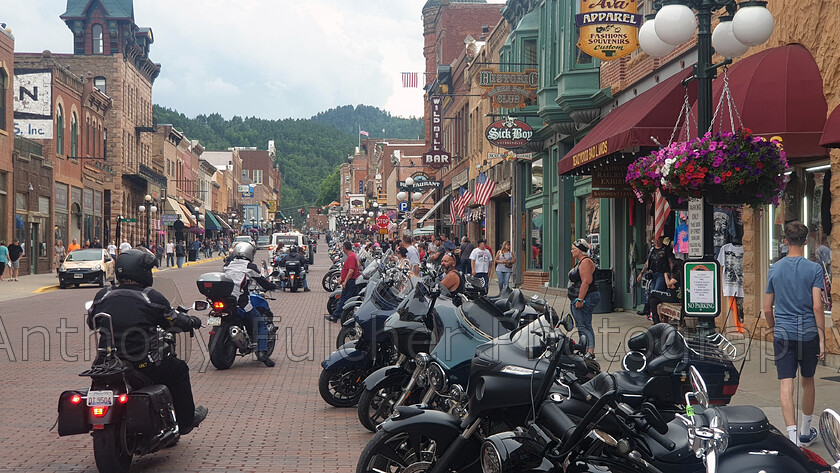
{"type": "Point", "coordinates": [302, 213]}
{"type": "Point", "coordinates": [319, 210]}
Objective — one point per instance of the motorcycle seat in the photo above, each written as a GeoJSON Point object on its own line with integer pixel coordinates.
{"type": "Point", "coordinates": [662, 346]}
{"type": "Point", "coordinates": [625, 384]}
{"type": "Point", "coordinates": [745, 424]}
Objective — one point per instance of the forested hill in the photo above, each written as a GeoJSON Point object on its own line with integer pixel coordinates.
{"type": "Point", "coordinates": [308, 151]}
{"type": "Point", "coordinates": [351, 119]}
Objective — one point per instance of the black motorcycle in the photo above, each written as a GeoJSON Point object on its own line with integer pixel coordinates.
{"type": "Point", "coordinates": [125, 412]}
{"type": "Point", "coordinates": [231, 334]}
{"type": "Point", "coordinates": [292, 276]}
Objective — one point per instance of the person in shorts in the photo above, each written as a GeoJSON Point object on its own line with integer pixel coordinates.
{"type": "Point", "coordinates": [793, 308]}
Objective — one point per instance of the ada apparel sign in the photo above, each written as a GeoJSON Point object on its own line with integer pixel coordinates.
{"type": "Point", "coordinates": [608, 28]}
{"type": "Point", "coordinates": [509, 134]}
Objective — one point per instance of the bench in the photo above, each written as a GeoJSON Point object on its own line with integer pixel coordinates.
{"type": "Point", "coordinates": [670, 312]}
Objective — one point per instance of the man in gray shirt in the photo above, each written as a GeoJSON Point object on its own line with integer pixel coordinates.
{"type": "Point", "coordinates": [413, 255]}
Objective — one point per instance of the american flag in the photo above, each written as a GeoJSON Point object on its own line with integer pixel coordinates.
{"type": "Point", "coordinates": [660, 214]}
{"type": "Point", "coordinates": [453, 210]}
{"type": "Point", "coordinates": [409, 79]}
{"type": "Point", "coordinates": [363, 132]}
{"type": "Point", "coordinates": [463, 200]}
{"type": "Point", "coordinates": [483, 189]}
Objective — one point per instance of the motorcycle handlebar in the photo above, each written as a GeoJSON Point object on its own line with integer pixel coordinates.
{"type": "Point", "coordinates": [557, 421]}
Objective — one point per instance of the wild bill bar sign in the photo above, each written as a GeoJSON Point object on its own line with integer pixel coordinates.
{"type": "Point", "coordinates": [608, 28]}
{"type": "Point", "coordinates": [436, 157]}
{"type": "Point", "coordinates": [509, 134]}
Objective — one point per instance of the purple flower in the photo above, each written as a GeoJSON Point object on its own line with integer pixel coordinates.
{"type": "Point", "coordinates": [717, 180]}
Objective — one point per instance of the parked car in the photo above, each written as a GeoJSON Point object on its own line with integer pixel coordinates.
{"type": "Point", "coordinates": [263, 241]}
{"type": "Point", "coordinates": [86, 266]}
{"type": "Point", "coordinates": [241, 238]}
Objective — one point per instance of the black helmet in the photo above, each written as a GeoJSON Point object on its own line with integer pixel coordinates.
{"type": "Point", "coordinates": [293, 250]}
{"type": "Point", "coordinates": [136, 265]}
{"type": "Point", "coordinates": [244, 250]}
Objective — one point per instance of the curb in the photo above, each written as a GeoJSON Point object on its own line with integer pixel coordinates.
{"type": "Point", "coordinates": [54, 287]}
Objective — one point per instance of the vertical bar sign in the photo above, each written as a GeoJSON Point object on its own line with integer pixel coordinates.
{"type": "Point", "coordinates": [695, 228]}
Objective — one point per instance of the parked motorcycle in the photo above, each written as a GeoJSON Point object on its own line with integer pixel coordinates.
{"type": "Point", "coordinates": [231, 334]}
{"type": "Point", "coordinates": [126, 414]}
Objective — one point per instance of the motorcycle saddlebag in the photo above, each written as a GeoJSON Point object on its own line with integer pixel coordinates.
{"type": "Point", "coordinates": [148, 410]}
{"type": "Point", "coordinates": [72, 418]}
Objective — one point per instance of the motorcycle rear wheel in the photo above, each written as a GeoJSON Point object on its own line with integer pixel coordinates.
{"type": "Point", "coordinates": [342, 387]}
{"type": "Point", "coordinates": [222, 350]}
{"type": "Point", "coordinates": [110, 454]}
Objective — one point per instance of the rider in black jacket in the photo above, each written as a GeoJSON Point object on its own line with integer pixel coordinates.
{"type": "Point", "coordinates": [136, 312]}
{"type": "Point", "coordinates": [294, 255]}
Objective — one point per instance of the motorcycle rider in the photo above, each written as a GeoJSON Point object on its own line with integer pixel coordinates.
{"type": "Point", "coordinates": [452, 280]}
{"type": "Point", "coordinates": [136, 312]}
{"type": "Point", "coordinates": [242, 270]}
{"type": "Point", "coordinates": [293, 255]}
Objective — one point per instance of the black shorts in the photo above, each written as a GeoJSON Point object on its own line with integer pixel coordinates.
{"type": "Point", "coordinates": [791, 353]}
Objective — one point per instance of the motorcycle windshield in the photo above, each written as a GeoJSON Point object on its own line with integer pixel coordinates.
{"type": "Point", "coordinates": [167, 287]}
{"type": "Point", "coordinates": [524, 337]}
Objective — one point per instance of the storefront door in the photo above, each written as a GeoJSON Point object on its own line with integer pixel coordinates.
{"type": "Point", "coordinates": [34, 245]}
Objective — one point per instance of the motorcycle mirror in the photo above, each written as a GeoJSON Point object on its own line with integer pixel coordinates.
{"type": "Point", "coordinates": [88, 305]}
{"type": "Point", "coordinates": [200, 306]}
{"type": "Point", "coordinates": [830, 433]}
{"type": "Point", "coordinates": [701, 393]}
{"type": "Point", "coordinates": [568, 323]}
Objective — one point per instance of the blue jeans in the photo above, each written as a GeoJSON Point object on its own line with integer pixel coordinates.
{"type": "Point", "coordinates": [170, 259]}
{"type": "Point", "coordinates": [180, 261]}
{"type": "Point", "coordinates": [583, 318]}
{"type": "Point", "coordinates": [504, 279]}
{"type": "Point", "coordinates": [253, 316]}
{"type": "Point", "coordinates": [346, 293]}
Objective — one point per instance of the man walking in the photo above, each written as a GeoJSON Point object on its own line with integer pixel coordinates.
{"type": "Point", "coordinates": [180, 253]}
{"type": "Point", "coordinates": [15, 252]}
{"type": "Point", "coordinates": [795, 286]}
{"type": "Point", "coordinates": [112, 250]}
{"type": "Point", "coordinates": [170, 253]}
{"type": "Point", "coordinates": [464, 255]}
{"type": "Point", "coordinates": [349, 272]}
{"type": "Point", "coordinates": [480, 259]}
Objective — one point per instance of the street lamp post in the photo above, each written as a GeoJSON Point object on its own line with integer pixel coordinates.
{"type": "Point", "coordinates": [409, 190]}
{"type": "Point", "coordinates": [745, 25]}
{"type": "Point", "coordinates": [148, 208]}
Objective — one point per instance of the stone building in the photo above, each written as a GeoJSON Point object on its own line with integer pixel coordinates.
{"type": "Point", "coordinates": [7, 129]}
{"type": "Point", "coordinates": [108, 45]}
{"type": "Point", "coordinates": [33, 190]}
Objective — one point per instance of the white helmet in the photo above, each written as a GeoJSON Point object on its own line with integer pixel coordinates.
{"type": "Point", "coordinates": [244, 250]}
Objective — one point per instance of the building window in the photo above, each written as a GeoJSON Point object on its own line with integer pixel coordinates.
{"type": "Point", "coordinates": [535, 252]}
{"type": "Point", "coordinates": [3, 85]}
{"type": "Point", "coordinates": [59, 130]}
{"type": "Point", "coordinates": [537, 176]}
{"type": "Point", "coordinates": [99, 83]}
{"type": "Point", "coordinates": [258, 176]}
{"type": "Point", "coordinates": [529, 52]}
{"type": "Point", "coordinates": [245, 176]}
{"type": "Point", "coordinates": [96, 33]}
{"type": "Point", "coordinates": [21, 201]}
{"type": "Point", "coordinates": [74, 135]}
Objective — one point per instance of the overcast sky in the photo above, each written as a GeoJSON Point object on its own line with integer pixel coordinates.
{"type": "Point", "coordinates": [264, 58]}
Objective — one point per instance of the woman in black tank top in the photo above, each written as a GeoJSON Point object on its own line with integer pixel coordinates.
{"type": "Point", "coordinates": [583, 294]}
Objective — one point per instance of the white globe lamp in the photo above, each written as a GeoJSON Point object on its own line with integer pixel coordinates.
{"type": "Point", "coordinates": [753, 23]}
{"type": "Point", "coordinates": [675, 24]}
{"type": "Point", "coordinates": [725, 42]}
{"type": "Point", "coordinates": [402, 195]}
{"type": "Point", "coordinates": [416, 196]}
{"type": "Point", "coordinates": [650, 43]}
{"type": "Point", "coordinates": [409, 181]}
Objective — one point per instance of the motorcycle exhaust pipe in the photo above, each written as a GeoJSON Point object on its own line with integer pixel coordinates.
{"type": "Point", "coordinates": [237, 337]}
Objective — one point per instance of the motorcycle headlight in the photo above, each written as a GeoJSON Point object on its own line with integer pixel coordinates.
{"type": "Point", "coordinates": [517, 370]}
{"type": "Point", "coordinates": [422, 360]}
{"type": "Point", "coordinates": [491, 461]}
{"type": "Point", "coordinates": [457, 393]}
{"type": "Point", "coordinates": [437, 378]}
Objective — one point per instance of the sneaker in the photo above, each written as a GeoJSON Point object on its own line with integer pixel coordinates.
{"type": "Point", "coordinates": [807, 440]}
{"type": "Point", "coordinates": [331, 318]}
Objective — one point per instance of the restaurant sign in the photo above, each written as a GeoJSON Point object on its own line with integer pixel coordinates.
{"type": "Point", "coordinates": [608, 28]}
{"type": "Point", "coordinates": [509, 89]}
{"type": "Point", "coordinates": [509, 133]}
{"type": "Point", "coordinates": [436, 157]}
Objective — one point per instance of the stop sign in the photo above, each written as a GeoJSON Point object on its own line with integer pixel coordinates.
{"type": "Point", "coordinates": [383, 221]}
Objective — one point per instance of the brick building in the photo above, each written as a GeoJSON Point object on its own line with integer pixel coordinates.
{"type": "Point", "coordinates": [7, 129]}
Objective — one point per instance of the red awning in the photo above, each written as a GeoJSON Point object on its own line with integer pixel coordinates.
{"type": "Point", "coordinates": [778, 92]}
{"type": "Point", "coordinates": [652, 114]}
{"type": "Point", "coordinates": [831, 132]}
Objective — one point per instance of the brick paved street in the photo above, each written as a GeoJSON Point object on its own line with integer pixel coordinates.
{"type": "Point", "coordinates": [261, 419]}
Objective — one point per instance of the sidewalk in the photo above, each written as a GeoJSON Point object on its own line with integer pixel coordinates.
{"type": "Point", "coordinates": [26, 286]}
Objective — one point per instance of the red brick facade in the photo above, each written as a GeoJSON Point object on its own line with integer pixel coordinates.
{"type": "Point", "coordinates": [7, 132]}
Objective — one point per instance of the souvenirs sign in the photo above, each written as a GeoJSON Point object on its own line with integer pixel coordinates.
{"type": "Point", "coordinates": [436, 157]}
{"type": "Point", "coordinates": [608, 28]}
{"type": "Point", "coordinates": [509, 89]}
{"type": "Point", "coordinates": [509, 133]}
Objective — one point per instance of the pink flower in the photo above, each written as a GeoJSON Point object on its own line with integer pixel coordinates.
{"type": "Point", "coordinates": [717, 180]}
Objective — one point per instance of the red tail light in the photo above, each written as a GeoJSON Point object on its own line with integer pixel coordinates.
{"type": "Point", "coordinates": [219, 305]}
{"type": "Point", "coordinates": [99, 411]}
{"type": "Point", "coordinates": [123, 398]}
{"type": "Point", "coordinates": [813, 457]}
{"type": "Point", "coordinates": [729, 389]}
{"type": "Point", "coordinates": [75, 399]}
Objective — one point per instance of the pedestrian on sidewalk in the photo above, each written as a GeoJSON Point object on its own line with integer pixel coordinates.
{"type": "Point", "coordinates": [112, 249]}
{"type": "Point", "coordinates": [504, 266]}
{"type": "Point", "coordinates": [4, 258]}
{"type": "Point", "coordinates": [583, 294]}
{"type": "Point", "coordinates": [170, 253]}
{"type": "Point", "coordinates": [73, 246]}
{"type": "Point", "coordinates": [672, 292]}
{"type": "Point", "coordinates": [464, 252]}
{"type": "Point", "coordinates": [480, 259]}
{"type": "Point", "coordinates": [59, 253]}
{"type": "Point", "coordinates": [159, 254]}
{"type": "Point", "coordinates": [15, 252]}
{"type": "Point", "coordinates": [180, 252]}
{"type": "Point", "coordinates": [655, 268]}
{"type": "Point", "coordinates": [793, 308]}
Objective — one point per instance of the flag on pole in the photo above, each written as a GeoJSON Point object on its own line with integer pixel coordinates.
{"type": "Point", "coordinates": [463, 200]}
{"type": "Point", "coordinates": [483, 189]}
{"type": "Point", "coordinates": [409, 79]}
{"type": "Point", "coordinates": [363, 132]}
{"type": "Point", "coordinates": [453, 210]}
{"type": "Point", "coordinates": [660, 214]}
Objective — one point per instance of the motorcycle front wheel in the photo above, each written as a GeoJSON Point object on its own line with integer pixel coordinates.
{"type": "Point", "coordinates": [376, 405]}
{"type": "Point", "coordinates": [222, 350]}
{"type": "Point", "coordinates": [350, 333]}
{"type": "Point", "coordinates": [110, 454]}
{"type": "Point", "coordinates": [334, 281]}
{"type": "Point", "coordinates": [325, 282]}
{"type": "Point", "coordinates": [413, 451]}
{"type": "Point", "coordinates": [341, 387]}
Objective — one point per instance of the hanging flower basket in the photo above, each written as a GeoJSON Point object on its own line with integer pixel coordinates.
{"type": "Point", "coordinates": [732, 168]}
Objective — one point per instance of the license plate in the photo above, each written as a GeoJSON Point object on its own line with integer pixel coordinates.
{"type": "Point", "coordinates": [78, 275]}
{"type": "Point", "coordinates": [214, 321]}
{"type": "Point", "coordinates": [100, 398]}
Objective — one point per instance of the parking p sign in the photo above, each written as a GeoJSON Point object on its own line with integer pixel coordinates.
{"type": "Point", "coordinates": [403, 206]}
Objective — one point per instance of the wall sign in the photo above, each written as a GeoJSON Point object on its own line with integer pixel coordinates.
{"type": "Point", "coordinates": [611, 176]}
{"type": "Point", "coordinates": [509, 89]}
{"type": "Point", "coordinates": [436, 157]}
{"type": "Point", "coordinates": [509, 133]}
{"type": "Point", "coordinates": [608, 28]}
{"type": "Point", "coordinates": [695, 228]}
{"type": "Point", "coordinates": [33, 104]}
{"type": "Point", "coordinates": [357, 204]}
{"type": "Point", "coordinates": [701, 289]}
